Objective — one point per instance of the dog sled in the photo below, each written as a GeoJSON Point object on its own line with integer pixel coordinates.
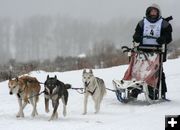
{"type": "Point", "coordinates": [142, 76]}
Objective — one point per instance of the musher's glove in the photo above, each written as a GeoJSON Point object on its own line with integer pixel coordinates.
{"type": "Point", "coordinates": [137, 39]}
{"type": "Point", "coordinates": [161, 40]}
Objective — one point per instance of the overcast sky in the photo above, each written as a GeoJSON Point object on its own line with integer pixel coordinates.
{"type": "Point", "coordinates": [95, 10]}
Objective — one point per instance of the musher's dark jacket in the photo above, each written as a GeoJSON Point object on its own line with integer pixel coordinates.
{"type": "Point", "coordinates": [166, 34]}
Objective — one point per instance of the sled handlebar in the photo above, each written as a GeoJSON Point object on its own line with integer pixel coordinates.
{"type": "Point", "coordinates": [143, 48]}
{"type": "Point", "coordinates": [126, 49]}
{"type": "Point", "coordinates": [150, 48]}
{"type": "Point", "coordinates": [155, 48]}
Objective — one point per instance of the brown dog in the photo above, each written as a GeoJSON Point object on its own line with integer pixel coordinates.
{"type": "Point", "coordinates": [25, 88]}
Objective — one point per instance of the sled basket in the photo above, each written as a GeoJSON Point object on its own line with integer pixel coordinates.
{"type": "Point", "coordinates": [142, 75]}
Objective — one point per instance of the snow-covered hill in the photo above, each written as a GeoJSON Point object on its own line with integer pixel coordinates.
{"type": "Point", "coordinates": [113, 115]}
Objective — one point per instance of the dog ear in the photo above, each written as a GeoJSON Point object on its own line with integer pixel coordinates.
{"type": "Point", "coordinates": [47, 76]}
{"type": "Point", "coordinates": [55, 77]}
{"type": "Point", "coordinates": [84, 71]}
{"type": "Point", "coordinates": [90, 71]}
{"type": "Point", "coordinates": [9, 77]}
{"type": "Point", "coordinates": [17, 79]}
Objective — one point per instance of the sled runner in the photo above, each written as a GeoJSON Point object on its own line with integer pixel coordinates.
{"type": "Point", "coordinates": [142, 76]}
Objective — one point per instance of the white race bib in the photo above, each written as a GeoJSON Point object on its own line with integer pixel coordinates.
{"type": "Point", "coordinates": [151, 30]}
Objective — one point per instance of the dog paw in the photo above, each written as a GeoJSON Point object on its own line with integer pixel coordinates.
{"type": "Point", "coordinates": [20, 115]}
{"type": "Point", "coordinates": [64, 114]}
{"type": "Point", "coordinates": [36, 113]}
{"type": "Point", "coordinates": [84, 113]}
{"type": "Point", "coordinates": [47, 110]}
{"type": "Point", "coordinates": [17, 116]}
{"type": "Point", "coordinates": [33, 114]}
{"type": "Point", "coordinates": [96, 112]}
{"type": "Point", "coordinates": [52, 118]}
{"type": "Point", "coordinates": [56, 117]}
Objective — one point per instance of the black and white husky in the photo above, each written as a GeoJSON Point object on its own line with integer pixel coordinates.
{"type": "Point", "coordinates": [94, 87]}
{"type": "Point", "coordinates": [55, 90]}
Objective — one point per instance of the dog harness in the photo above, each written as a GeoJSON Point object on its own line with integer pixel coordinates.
{"type": "Point", "coordinates": [92, 93]}
{"type": "Point", "coordinates": [151, 32]}
{"type": "Point", "coordinates": [20, 92]}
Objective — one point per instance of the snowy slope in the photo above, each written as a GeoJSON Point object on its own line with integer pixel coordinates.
{"type": "Point", "coordinates": [113, 115]}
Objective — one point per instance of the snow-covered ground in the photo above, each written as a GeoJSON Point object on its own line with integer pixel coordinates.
{"type": "Point", "coordinates": [113, 114]}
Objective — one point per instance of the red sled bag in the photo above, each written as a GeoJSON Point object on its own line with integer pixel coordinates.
{"type": "Point", "coordinates": [144, 66]}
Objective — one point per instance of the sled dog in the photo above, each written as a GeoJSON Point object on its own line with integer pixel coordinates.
{"type": "Point", "coordinates": [94, 87]}
{"type": "Point", "coordinates": [26, 88]}
{"type": "Point", "coordinates": [55, 90]}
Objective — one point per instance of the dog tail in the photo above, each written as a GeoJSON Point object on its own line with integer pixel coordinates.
{"type": "Point", "coordinates": [68, 86]}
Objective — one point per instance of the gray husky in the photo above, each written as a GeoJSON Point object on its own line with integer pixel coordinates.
{"type": "Point", "coordinates": [55, 90]}
{"type": "Point", "coordinates": [94, 87]}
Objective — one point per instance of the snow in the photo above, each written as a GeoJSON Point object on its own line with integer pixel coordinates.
{"type": "Point", "coordinates": [113, 115]}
